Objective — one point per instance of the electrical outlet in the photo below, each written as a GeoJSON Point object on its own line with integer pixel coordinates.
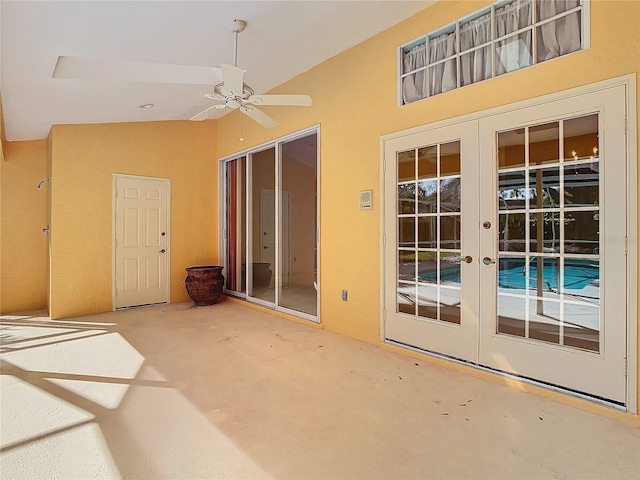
{"type": "Point", "coordinates": [344, 295]}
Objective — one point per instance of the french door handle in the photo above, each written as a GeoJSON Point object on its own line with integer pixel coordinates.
{"type": "Point", "coordinates": [488, 261]}
{"type": "Point", "coordinates": [467, 259]}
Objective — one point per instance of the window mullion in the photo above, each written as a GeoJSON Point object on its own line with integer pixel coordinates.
{"type": "Point", "coordinates": [493, 41]}
{"type": "Point", "coordinates": [457, 51]}
{"type": "Point", "coordinates": [534, 34]}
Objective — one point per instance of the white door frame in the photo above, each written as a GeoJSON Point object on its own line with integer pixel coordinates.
{"type": "Point", "coordinates": [629, 82]}
{"type": "Point", "coordinates": [167, 181]}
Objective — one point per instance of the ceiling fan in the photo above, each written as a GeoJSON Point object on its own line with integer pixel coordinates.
{"type": "Point", "coordinates": [232, 91]}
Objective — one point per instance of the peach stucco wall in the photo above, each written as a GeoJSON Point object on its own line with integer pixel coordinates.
{"type": "Point", "coordinates": [23, 215]}
{"type": "Point", "coordinates": [84, 160]}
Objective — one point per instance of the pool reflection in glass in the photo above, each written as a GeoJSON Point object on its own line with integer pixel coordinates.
{"type": "Point", "coordinates": [406, 298]}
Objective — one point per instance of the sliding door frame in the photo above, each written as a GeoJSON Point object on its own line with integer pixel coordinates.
{"type": "Point", "coordinates": [276, 144]}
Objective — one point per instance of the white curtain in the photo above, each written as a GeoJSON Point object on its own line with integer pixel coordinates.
{"type": "Point", "coordinates": [554, 38]}
{"type": "Point", "coordinates": [442, 77]}
{"type": "Point", "coordinates": [560, 36]}
{"type": "Point", "coordinates": [414, 85]}
{"type": "Point", "coordinates": [476, 65]}
{"type": "Point", "coordinates": [514, 52]}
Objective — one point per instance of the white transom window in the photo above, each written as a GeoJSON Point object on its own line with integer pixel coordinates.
{"type": "Point", "coordinates": [495, 40]}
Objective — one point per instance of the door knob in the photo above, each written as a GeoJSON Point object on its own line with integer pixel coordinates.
{"type": "Point", "coordinates": [488, 261]}
{"type": "Point", "coordinates": [162, 251]}
{"type": "Point", "coordinates": [264, 247]}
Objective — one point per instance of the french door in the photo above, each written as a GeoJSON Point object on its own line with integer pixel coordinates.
{"type": "Point", "coordinates": [500, 242]}
{"type": "Point", "coordinates": [431, 288]}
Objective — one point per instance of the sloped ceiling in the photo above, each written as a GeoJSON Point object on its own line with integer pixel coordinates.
{"type": "Point", "coordinates": [282, 39]}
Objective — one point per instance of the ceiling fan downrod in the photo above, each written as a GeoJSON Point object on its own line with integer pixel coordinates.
{"type": "Point", "coordinates": [237, 26]}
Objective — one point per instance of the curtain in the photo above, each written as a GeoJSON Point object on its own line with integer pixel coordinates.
{"type": "Point", "coordinates": [414, 85]}
{"type": "Point", "coordinates": [442, 77]}
{"type": "Point", "coordinates": [554, 38]}
{"type": "Point", "coordinates": [560, 36]}
{"type": "Point", "coordinates": [514, 52]}
{"type": "Point", "coordinates": [476, 65]}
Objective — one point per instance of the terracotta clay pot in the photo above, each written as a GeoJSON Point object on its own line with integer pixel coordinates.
{"type": "Point", "coordinates": [204, 284]}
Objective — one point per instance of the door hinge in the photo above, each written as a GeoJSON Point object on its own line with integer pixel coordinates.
{"type": "Point", "coordinates": [116, 292]}
{"type": "Point", "coordinates": [384, 165]}
{"type": "Point", "coordinates": [116, 242]}
{"type": "Point", "coordinates": [116, 193]}
{"type": "Point", "coordinates": [626, 245]}
{"type": "Point", "coordinates": [624, 367]}
{"type": "Point", "coordinates": [384, 240]}
{"type": "Point", "coordinates": [624, 125]}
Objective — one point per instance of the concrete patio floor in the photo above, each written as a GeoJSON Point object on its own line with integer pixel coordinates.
{"type": "Point", "coordinates": [230, 392]}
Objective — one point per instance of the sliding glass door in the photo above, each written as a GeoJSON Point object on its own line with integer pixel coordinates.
{"type": "Point", "coordinates": [298, 225]}
{"type": "Point", "coordinates": [271, 227]}
{"type": "Point", "coordinates": [262, 218]}
{"type": "Point", "coordinates": [235, 218]}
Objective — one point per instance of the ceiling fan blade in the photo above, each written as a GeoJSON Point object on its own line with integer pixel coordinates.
{"type": "Point", "coordinates": [203, 115]}
{"type": "Point", "coordinates": [127, 71]}
{"type": "Point", "coordinates": [233, 77]}
{"type": "Point", "coordinates": [260, 117]}
{"type": "Point", "coordinates": [287, 100]}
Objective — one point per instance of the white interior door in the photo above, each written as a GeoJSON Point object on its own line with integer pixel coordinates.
{"type": "Point", "coordinates": [141, 241]}
{"type": "Point", "coordinates": [268, 233]}
{"type": "Point", "coordinates": [553, 289]}
{"type": "Point", "coordinates": [431, 232]}
{"type": "Point", "coordinates": [541, 210]}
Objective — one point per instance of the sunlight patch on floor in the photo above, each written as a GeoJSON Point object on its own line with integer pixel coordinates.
{"type": "Point", "coordinates": [37, 413]}
{"type": "Point", "coordinates": [77, 453]}
{"type": "Point", "coordinates": [78, 401]}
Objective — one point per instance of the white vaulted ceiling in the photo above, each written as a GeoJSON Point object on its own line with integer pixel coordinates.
{"type": "Point", "coordinates": [282, 39]}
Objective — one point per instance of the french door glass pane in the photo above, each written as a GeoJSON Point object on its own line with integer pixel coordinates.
{"type": "Point", "coordinates": [544, 143]}
{"type": "Point", "coordinates": [511, 149]}
{"type": "Point", "coordinates": [406, 298]}
{"type": "Point", "coordinates": [548, 236]}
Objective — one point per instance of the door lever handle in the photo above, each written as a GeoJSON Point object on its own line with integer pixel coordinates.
{"type": "Point", "coordinates": [488, 261]}
{"type": "Point", "coordinates": [467, 259]}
